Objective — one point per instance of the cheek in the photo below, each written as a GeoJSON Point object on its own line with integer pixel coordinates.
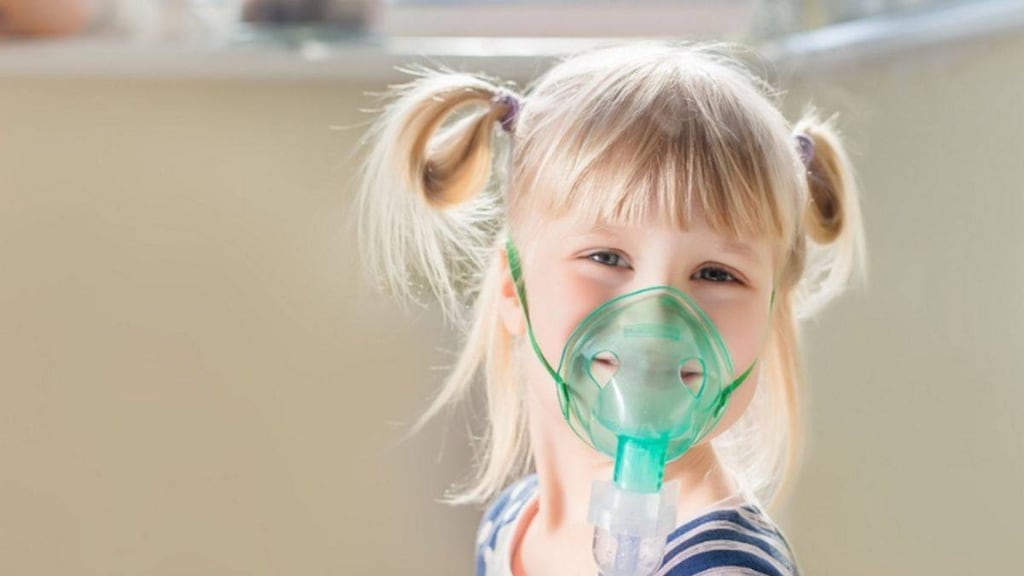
{"type": "Point", "coordinates": [557, 305]}
{"type": "Point", "coordinates": [744, 327]}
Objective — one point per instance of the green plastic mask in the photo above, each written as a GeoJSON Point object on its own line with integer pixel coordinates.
{"type": "Point", "coordinates": [642, 378]}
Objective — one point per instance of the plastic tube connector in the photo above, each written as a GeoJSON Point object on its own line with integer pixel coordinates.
{"type": "Point", "coordinates": [630, 528]}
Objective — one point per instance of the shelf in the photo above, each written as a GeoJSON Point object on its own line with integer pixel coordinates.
{"type": "Point", "coordinates": [375, 59]}
{"type": "Point", "coordinates": [358, 59]}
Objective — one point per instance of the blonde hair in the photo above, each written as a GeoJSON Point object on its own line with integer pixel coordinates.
{"type": "Point", "coordinates": [622, 133]}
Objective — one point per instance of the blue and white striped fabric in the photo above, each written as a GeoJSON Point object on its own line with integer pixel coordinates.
{"type": "Point", "coordinates": [735, 540]}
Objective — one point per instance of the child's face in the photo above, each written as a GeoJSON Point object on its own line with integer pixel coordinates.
{"type": "Point", "coordinates": [570, 268]}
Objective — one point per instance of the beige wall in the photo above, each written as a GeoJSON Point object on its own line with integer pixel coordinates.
{"type": "Point", "coordinates": [194, 381]}
{"type": "Point", "coordinates": [916, 462]}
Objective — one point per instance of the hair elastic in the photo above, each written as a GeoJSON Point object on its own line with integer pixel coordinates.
{"type": "Point", "coordinates": [511, 103]}
{"type": "Point", "coordinates": [806, 148]}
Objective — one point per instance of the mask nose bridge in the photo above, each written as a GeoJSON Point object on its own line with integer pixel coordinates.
{"type": "Point", "coordinates": [651, 342]}
{"type": "Point", "coordinates": [659, 308]}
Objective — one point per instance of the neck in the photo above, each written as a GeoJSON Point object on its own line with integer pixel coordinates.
{"type": "Point", "coordinates": [566, 467]}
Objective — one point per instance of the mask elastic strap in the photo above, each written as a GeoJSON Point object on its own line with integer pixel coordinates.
{"type": "Point", "coordinates": [515, 267]}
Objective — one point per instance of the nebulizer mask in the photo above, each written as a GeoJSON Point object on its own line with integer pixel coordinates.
{"type": "Point", "coordinates": [642, 378]}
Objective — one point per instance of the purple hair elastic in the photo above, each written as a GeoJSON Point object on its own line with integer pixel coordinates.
{"type": "Point", "coordinates": [512, 104]}
{"type": "Point", "coordinates": [806, 148]}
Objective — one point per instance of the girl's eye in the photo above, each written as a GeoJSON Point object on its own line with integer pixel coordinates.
{"type": "Point", "coordinates": [608, 259]}
{"type": "Point", "coordinates": [714, 274]}
{"type": "Point", "coordinates": [707, 273]}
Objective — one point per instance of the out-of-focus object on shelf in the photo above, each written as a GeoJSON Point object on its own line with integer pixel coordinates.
{"type": "Point", "coordinates": [216, 20]}
{"type": "Point", "coordinates": [174, 22]}
{"type": "Point", "coordinates": [45, 17]}
{"type": "Point", "coordinates": [689, 19]}
{"type": "Point", "coordinates": [352, 15]}
{"type": "Point", "coordinates": [281, 22]}
{"type": "Point", "coordinates": [233, 22]}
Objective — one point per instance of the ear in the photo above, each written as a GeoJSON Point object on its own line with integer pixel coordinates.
{"type": "Point", "coordinates": [508, 301]}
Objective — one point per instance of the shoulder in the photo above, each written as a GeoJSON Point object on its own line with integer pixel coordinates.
{"type": "Point", "coordinates": [735, 540]}
{"type": "Point", "coordinates": [507, 504]}
{"type": "Point", "coordinates": [502, 511]}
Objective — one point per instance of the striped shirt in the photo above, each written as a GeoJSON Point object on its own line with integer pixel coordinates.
{"type": "Point", "coordinates": [733, 538]}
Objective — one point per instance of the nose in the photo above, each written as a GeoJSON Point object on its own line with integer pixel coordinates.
{"type": "Point", "coordinates": [662, 275]}
{"type": "Point", "coordinates": [652, 278]}
{"type": "Point", "coordinates": [659, 266]}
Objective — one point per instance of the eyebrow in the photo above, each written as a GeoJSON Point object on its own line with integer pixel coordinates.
{"type": "Point", "coordinates": [739, 248]}
{"type": "Point", "coordinates": [597, 226]}
{"type": "Point", "coordinates": [596, 230]}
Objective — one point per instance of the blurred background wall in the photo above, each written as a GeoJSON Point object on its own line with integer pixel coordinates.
{"type": "Point", "coordinates": [195, 380]}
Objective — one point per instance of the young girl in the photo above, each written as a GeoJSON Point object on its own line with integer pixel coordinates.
{"type": "Point", "coordinates": [635, 165]}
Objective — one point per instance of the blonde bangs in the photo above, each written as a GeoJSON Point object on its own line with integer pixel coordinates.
{"type": "Point", "coordinates": [660, 149]}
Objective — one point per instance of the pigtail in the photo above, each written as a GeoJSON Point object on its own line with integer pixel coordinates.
{"type": "Point", "coordinates": [429, 220]}
{"type": "Point", "coordinates": [834, 243]}
{"type": "Point", "coordinates": [427, 217]}
{"type": "Point", "coordinates": [767, 443]}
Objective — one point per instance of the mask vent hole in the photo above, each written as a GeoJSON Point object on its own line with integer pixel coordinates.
{"type": "Point", "coordinates": [691, 374]}
{"type": "Point", "coordinates": [603, 367]}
